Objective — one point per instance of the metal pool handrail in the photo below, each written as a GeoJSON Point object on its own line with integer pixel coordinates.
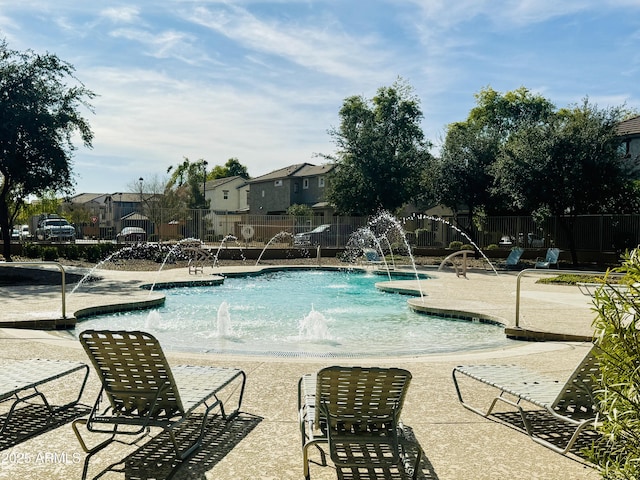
{"type": "Point", "coordinates": [59, 265]}
{"type": "Point", "coordinates": [545, 271]}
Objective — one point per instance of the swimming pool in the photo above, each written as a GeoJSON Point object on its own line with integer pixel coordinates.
{"type": "Point", "coordinates": [300, 313]}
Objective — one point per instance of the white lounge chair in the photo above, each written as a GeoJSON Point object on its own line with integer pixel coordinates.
{"type": "Point", "coordinates": [21, 381]}
{"type": "Point", "coordinates": [356, 411]}
{"type": "Point", "coordinates": [140, 390]}
{"type": "Point", "coordinates": [571, 400]}
{"type": "Point", "coordinates": [550, 259]}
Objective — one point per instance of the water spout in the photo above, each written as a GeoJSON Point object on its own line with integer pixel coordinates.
{"type": "Point", "coordinates": [223, 324]}
{"type": "Point", "coordinates": [225, 239]}
{"type": "Point", "coordinates": [277, 236]}
{"type": "Point", "coordinates": [314, 326]}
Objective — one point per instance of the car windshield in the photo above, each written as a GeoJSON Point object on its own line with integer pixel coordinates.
{"type": "Point", "coordinates": [320, 229]}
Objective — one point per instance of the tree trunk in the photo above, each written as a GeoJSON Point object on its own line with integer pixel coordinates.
{"type": "Point", "coordinates": [5, 228]}
{"type": "Point", "coordinates": [567, 224]}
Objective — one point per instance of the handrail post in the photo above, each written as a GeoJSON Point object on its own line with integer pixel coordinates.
{"type": "Point", "coordinates": [522, 273]}
{"type": "Point", "coordinates": [63, 286]}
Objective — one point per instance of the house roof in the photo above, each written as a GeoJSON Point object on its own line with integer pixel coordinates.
{"type": "Point", "coordinates": [218, 182]}
{"type": "Point", "coordinates": [297, 170]}
{"type": "Point", "coordinates": [630, 127]}
{"type": "Point", "coordinates": [135, 216]}
{"type": "Point", "coordinates": [85, 197]}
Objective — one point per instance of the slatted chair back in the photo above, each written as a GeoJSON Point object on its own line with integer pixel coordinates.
{"type": "Point", "coordinates": [577, 395]}
{"type": "Point", "coordinates": [134, 372]}
{"type": "Point", "coordinates": [361, 395]}
{"type": "Point", "coordinates": [514, 257]}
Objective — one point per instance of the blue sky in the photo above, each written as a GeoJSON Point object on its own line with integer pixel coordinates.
{"type": "Point", "coordinates": [263, 81]}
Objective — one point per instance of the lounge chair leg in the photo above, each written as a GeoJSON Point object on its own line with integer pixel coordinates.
{"type": "Point", "coordinates": [83, 444]}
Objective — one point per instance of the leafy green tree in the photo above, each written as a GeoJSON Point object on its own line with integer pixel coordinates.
{"type": "Point", "coordinates": [298, 210]}
{"type": "Point", "coordinates": [159, 201]}
{"type": "Point", "coordinates": [567, 166]}
{"type": "Point", "coordinates": [232, 168]}
{"type": "Point", "coordinates": [381, 152]}
{"type": "Point", "coordinates": [189, 177]}
{"type": "Point", "coordinates": [464, 176]}
{"type": "Point", "coordinates": [505, 114]}
{"type": "Point", "coordinates": [617, 333]}
{"type": "Point", "coordinates": [40, 111]}
{"type": "Point", "coordinates": [48, 202]}
{"type": "Point", "coordinates": [464, 170]}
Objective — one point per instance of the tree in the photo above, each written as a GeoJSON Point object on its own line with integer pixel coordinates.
{"type": "Point", "coordinates": [297, 210]}
{"type": "Point", "coordinates": [567, 166]}
{"type": "Point", "coordinates": [40, 114]}
{"type": "Point", "coordinates": [617, 326]}
{"type": "Point", "coordinates": [190, 177]}
{"type": "Point", "coordinates": [464, 171]}
{"type": "Point", "coordinates": [381, 152]}
{"type": "Point", "coordinates": [233, 168]}
{"type": "Point", "coordinates": [159, 202]}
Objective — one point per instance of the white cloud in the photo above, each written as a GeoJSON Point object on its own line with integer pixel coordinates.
{"type": "Point", "coordinates": [150, 118]}
{"type": "Point", "coordinates": [125, 14]}
{"type": "Point", "coordinates": [320, 46]}
{"type": "Point", "coordinates": [166, 44]}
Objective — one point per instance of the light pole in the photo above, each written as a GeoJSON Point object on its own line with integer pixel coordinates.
{"type": "Point", "coordinates": [204, 195]}
{"type": "Point", "coordinates": [140, 180]}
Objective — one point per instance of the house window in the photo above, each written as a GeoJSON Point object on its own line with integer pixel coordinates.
{"type": "Point", "coordinates": [225, 194]}
{"type": "Point", "coordinates": [305, 183]}
{"type": "Point", "coordinates": [625, 148]}
{"type": "Point", "coordinates": [320, 182]}
{"type": "Point", "coordinates": [277, 183]}
{"type": "Point", "coordinates": [262, 193]}
{"type": "Point", "coordinates": [296, 187]}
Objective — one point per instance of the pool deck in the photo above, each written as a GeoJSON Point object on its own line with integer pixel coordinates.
{"type": "Point", "coordinates": [264, 442]}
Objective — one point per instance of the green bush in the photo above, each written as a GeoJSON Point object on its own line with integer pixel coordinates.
{"type": "Point", "coordinates": [32, 250]}
{"type": "Point", "coordinates": [93, 253]}
{"type": "Point", "coordinates": [49, 254]}
{"type": "Point", "coordinates": [467, 246]}
{"type": "Point", "coordinates": [107, 249]}
{"type": "Point", "coordinates": [455, 245]}
{"type": "Point", "coordinates": [617, 328]}
{"type": "Point", "coordinates": [492, 246]}
{"type": "Point", "coordinates": [71, 252]}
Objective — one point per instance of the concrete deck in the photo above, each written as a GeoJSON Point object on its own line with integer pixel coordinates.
{"type": "Point", "coordinates": [264, 442]}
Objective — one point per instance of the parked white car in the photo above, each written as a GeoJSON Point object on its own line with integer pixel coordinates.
{"type": "Point", "coordinates": [56, 229]}
{"type": "Point", "coordinates": [23, 233]}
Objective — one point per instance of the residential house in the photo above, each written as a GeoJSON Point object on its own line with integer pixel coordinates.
{"type": "Point", "coordinates": [100, 214]}
{"type": "Point", "coordinates": [227, 195]}
{"type": "Point", "coordinates": [228, 199]}
{"type": "Point", "coordinates": [300, 184]}
{"type": "Point", "coordinates": [629, 133]}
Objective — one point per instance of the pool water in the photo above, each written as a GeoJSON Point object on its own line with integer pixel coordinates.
{"type": "Point", "coordinates": [296, 313]}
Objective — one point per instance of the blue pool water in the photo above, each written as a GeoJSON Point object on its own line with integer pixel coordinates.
{"type": "Point", "coordinates": [311, 313]}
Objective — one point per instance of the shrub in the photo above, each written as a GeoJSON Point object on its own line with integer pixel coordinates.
{"type": "Point", "coordinates": [617, 327]}
{"type": "Point", "coordinates": [71, 252]}
{"type": "Point", "coordinates": [32, 250]}
{"type": "Point", "coordinates": [107, 249]}
{"type": "Point", "coordinates": [49, 254]}
{"type": "Point", "coordinates": [93, 253]}
{"type": "Point", "coordinates": [492, 246]}
{"type": "Point", "coordinates": [467, 246]}
{"type": "Point", "coordinates": [455, 245]}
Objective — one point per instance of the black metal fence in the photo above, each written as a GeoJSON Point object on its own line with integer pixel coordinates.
{"type": "Point", "coordinates": [601, 233]}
